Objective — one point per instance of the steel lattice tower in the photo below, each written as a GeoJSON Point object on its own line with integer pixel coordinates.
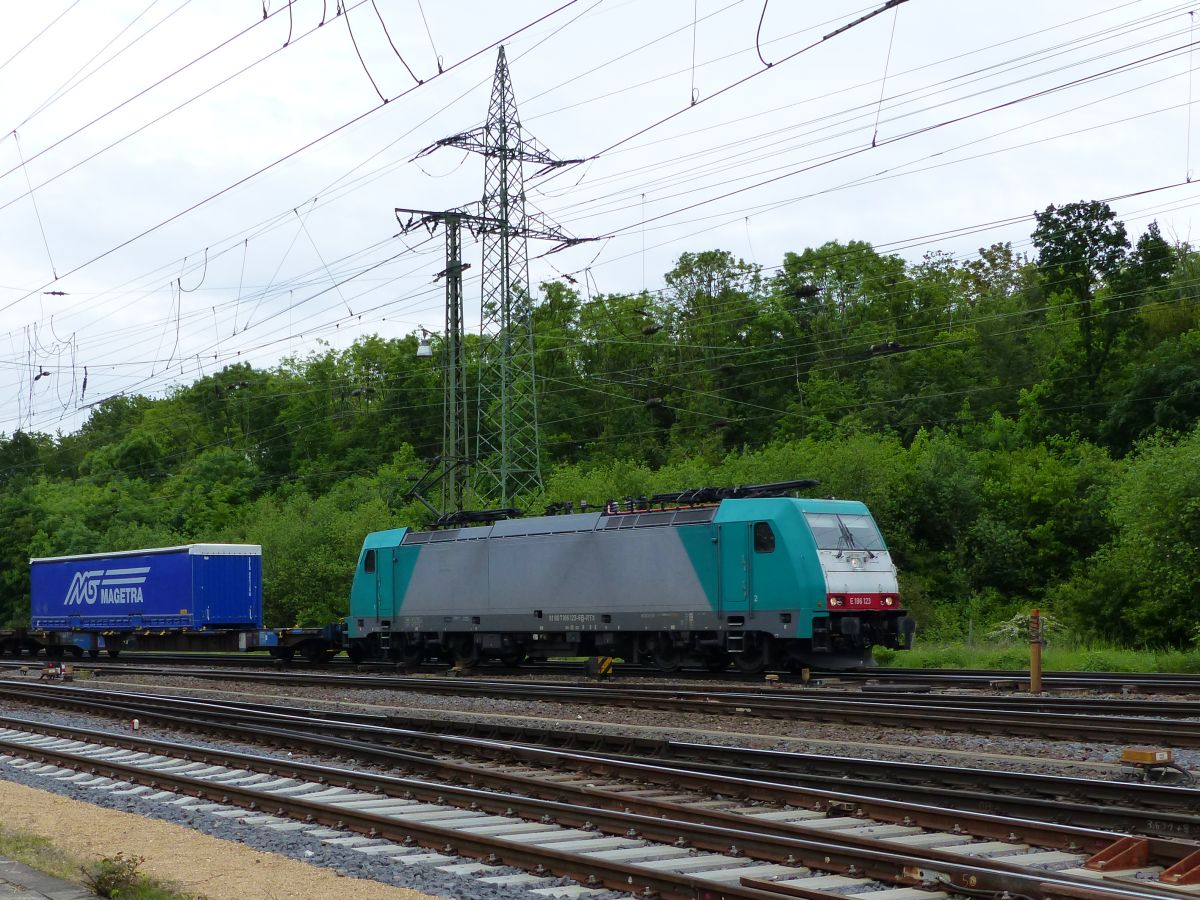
{"type": "Point", "coordinates": [507, 451]}
{"type": "Point", "coordinates": [507, 459]}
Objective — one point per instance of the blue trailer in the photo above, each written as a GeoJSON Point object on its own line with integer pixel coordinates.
{"type": "Point", "coordinates": [197, 594]}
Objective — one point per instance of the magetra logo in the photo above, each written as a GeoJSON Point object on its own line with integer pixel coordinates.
{"type": "Point", "coordinates": [107, 586]}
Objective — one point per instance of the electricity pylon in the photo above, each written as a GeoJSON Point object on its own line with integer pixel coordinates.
{"type": "Point", "coordinates": [456, 458]}
{"type": "Point", "coordinates": [507, 460]}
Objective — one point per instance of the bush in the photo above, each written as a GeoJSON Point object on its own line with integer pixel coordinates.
{"type": "Point", "coordinates": [113, 876]}
{"type": "Point", "coordinates": [1017, 628]}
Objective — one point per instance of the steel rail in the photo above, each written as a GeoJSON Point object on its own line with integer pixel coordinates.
{"type": "Point", "coordinates": [864, 857]}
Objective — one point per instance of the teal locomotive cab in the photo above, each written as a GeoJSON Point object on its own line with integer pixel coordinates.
{"type": "Point", "coordinates": [375, 594]}
{"type": "Point", "coordinates": [769, 573]}
{"type": "Point", "coordinates": [802, 581]}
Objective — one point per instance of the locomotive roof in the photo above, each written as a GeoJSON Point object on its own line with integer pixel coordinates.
{"type": "Point", "coordinates": [600, 521]}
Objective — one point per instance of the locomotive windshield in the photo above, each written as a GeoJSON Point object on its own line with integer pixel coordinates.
{"type": "Point", "coordinates": [835, 531]}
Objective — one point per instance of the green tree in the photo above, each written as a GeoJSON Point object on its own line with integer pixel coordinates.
{"type": "Point", "coordinates": [1143, 587]}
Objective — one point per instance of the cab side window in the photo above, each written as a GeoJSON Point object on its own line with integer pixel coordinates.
{"type": "Point", "coordinates": [369, 561]}
{"type": "Point", "coordinates": [764, 538]}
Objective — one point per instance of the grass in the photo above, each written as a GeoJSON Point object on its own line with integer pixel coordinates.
{"type": "Point", "coordinates": [40, 854]}
{"type": "Point", "coordinates": [1064, 658]}
{"type": "Point", "coordinates": [37, 853]}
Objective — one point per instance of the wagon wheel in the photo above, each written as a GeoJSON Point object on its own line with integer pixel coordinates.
{"type": "Point", "coordinates": [315, 653]}
{"type": "Point", "coordinates": [114, 652]}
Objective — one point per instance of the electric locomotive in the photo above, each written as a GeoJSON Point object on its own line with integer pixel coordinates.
{"type": "Point", "coordinates": [705, 577]}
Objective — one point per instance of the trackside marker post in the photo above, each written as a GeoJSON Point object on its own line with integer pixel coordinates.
{"type": "Point", "coordinates": [1035, 652]}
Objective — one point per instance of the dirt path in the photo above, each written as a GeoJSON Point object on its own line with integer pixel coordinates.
{"type": "Point", "coordinates": [206, 866]}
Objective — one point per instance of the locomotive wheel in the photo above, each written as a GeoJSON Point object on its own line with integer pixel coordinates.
{"type": "Point", "coordinates": [466, 654]}
{"type": "Point", "coordinates": [356, 653]}
{"type": "Point", "coordinates": [512, 656]}
{"type": "Point", "coordinates": [750, 661]}
{"type": "Point", "coordinates": [413, 654]}
{"type": "Point", "coordinates": [667, 656]}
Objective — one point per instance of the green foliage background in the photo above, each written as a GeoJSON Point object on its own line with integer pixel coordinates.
{"type": "Point", "coordinates": [1024, 428]}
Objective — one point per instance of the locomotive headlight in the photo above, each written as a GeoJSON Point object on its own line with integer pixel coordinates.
{"type": "Point", "coordinates": [887, 601]}
{"type": "Point", "coordinates": [836, 601]}
{"type": "Point", "coordinates": [855, 562]}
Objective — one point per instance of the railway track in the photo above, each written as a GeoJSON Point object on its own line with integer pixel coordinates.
{"type": "Point", "coordinates": [1159, 722]}
{"type": "Point", "coordinates": [1145, 808]}
{"type": "Point", "coordinates": [1108, 682]}
{"type": "Point", "coordinates": [676, 845]}
{"type": "Point", "coordinates": [1114, 682]}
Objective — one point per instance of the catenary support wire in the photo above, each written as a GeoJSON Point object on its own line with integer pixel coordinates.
{"type": "Point", "coordinates": [33, 200]}
{"type": "Point", "coordinates": [883, 81]}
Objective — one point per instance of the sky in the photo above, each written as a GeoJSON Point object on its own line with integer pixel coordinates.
{"type": "Point", "coordinates": [189, 184]}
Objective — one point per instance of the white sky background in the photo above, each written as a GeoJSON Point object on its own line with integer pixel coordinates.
{"type": "Point", "coordinates": [586, 77]}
